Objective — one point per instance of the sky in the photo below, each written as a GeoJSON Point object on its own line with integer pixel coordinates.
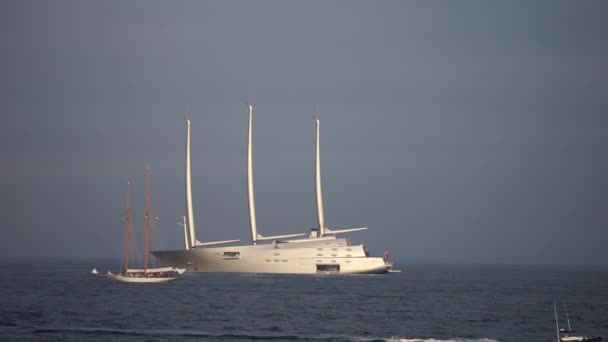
{"type": "Point", "coordinates": [457, 131]}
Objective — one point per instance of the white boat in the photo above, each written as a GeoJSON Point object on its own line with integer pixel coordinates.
{"type": "Point", "coordinates": [320, 252]}
{"type": "Point", "coordinates": [150, 275]}
{"type": "Point", "coordinates": [145, 274]}
{"type": "Point", "coordinates": [569, 338]}
{"type": "Point", "coordinates": [564, 335]}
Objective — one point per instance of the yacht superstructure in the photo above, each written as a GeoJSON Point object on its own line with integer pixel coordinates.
{"type": "Point", "coordinates": [320, 252]}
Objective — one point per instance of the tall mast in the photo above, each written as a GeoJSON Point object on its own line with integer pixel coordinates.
{"type": "Point", "coordinates": [556, 322]}
{"type": "Point", "coordinates": [252, 221]}
{"type": "Point", "coordinates": [127, 225]}
{"type": "Point", "coordinates": [189, 211]}
{"type": "Point", "coordinates": [567, 318]}
{"type": "Point", "coordinates": [320, 215]}
{"type": "Point", "coordinates": [148, 216]}
{"type": "Point", "coordinates": [185, 225]}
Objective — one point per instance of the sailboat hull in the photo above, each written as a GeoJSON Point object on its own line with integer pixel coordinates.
{"type": "Point", "coordinates": [309, 258]}
{"type": "Point", "coordinates": [580, 338]}
{"type": "Point", "coordinates": [130, 279]}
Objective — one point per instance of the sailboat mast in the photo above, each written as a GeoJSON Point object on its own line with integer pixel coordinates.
{"type": "Point", "coordinates": [127, 225]}
{"type": "Point", "coordinates": [320, 215]}
{"type": "Point", "coordinates": [148, 217]}
{"type": "Point", "coordinates": [556, 322]}
{"type": "Point", "coordinates": [185, 225]}
{"type": "Point", "coordinates": [567, 318]}
{"type": "Point", "coordinates": [252, 220]}
{"type": "Point", "coordinates": [189, 211]}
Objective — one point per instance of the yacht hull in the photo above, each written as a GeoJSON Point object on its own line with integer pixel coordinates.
{"type": "Point", "coordinates": [268, 258]}
{"type": "Point", "coordinates": [128, 279]}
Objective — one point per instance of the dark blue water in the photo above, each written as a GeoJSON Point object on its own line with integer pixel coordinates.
{"type": "Point", "coordinates": [62, 301]}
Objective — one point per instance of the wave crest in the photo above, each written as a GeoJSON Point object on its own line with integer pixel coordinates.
{"type": "Point", "coordinates": [245, 336]}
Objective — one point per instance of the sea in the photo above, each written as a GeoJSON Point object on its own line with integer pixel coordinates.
{"type": "Point", "coordinates": [60, 300]}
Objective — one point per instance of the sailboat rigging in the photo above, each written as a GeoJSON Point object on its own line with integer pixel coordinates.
{"type": "Point", "coordinates": [147, 274]}
{"type": "Point", "coordinates": [564, 335]}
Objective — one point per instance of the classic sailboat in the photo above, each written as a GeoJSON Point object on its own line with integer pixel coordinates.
{"type": "Point", "coordinates": [145, 274]}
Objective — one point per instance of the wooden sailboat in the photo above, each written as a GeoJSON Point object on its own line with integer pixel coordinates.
{"type": "Point", "coordinates": [145, 274]}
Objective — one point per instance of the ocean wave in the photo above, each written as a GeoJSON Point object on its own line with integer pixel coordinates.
{"type": "Point", "coordinates": [395, 339]}
{"type": "Point", "coordinates": [156, 332]}
{"type": "Point", "coordinates": [245, 336]}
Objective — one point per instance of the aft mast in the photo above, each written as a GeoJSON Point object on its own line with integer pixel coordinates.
{"type": "Point", "coordinates": [189, 211]}
{"type": "Point", "coordinates": [323, 231]}
{"type": "Point", "coordinates": [127, 225]}
{"type": "Point", "coordinates": [252, 220]}
{"type": "Point", "coordinates": [320, 215]}
{"type": "Point", "coordinates": [148, 217]}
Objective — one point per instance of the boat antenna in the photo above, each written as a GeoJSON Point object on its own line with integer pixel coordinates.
{"type": "Point", "coordinates": [320, 215]}
{"type": "Point", "coordinates": [186, 115]}
{"type": "Point", "coordinates": [556, 322]}
{"type": "Point", "coordinates": [148, 217]}
{"type": "Point", "coordinates": [567, 318]}
{"type": "Point", "coordinates": [127, 225]}
{"type": "Point", "coordinates": [250, 197]}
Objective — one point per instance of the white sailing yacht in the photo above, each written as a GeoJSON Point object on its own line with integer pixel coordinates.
{"type": "Point", "coordinates": [320, 252]}
{"type": "Point", "coordinates": [145, 274]}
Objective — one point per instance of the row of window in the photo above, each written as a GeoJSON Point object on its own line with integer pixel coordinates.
{"type": "Point", "coordinates": [335, 249]}
{"type": "Point", "coordinates": [236, 255]}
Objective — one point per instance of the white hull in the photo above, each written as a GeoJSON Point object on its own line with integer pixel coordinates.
{"type": "Point", "coordinates": [131, 279]}
{"type": "Point", "coordinates": [314, 257]}
{"type": "Point", "coordinates": [580, 338]}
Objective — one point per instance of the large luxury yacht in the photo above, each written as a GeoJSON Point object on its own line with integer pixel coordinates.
{"type": "Point", "coordinates": [318, 252]}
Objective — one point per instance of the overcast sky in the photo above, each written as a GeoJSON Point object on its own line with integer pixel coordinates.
{"type": "Point", "coordinates": [457, 131]}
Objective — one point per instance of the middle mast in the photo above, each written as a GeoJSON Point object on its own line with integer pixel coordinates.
{"type": "Point", "coordinates": [148, 218]}
{"type": "Point", "coordinates": [255, 236]}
